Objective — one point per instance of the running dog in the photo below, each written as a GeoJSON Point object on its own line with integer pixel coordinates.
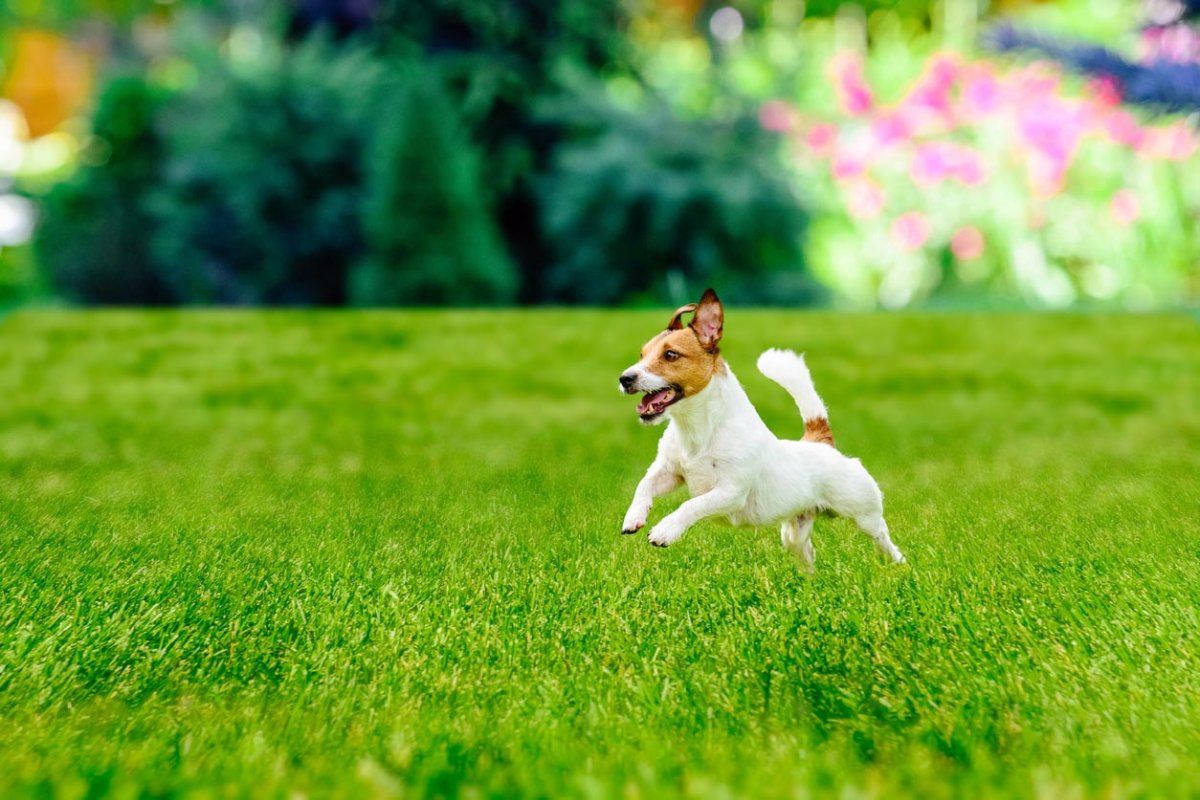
{"type": "Point", "coordinates": [734, 467]}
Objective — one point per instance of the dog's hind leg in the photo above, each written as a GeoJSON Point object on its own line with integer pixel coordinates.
{"type": "Point", "coordinates": [874, 526]}
{"type": "Point", "coordinates": [796, 534]}
{"type": "Point", "coordinates": [856, 496]}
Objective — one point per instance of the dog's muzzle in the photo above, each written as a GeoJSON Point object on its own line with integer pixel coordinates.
{"type": "Point", "coordinates": [659, 395]}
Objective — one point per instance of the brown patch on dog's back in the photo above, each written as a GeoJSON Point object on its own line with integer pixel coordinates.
{"type": "Point", "coordinates": [818, 430]}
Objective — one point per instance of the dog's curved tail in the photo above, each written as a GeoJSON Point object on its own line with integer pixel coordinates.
{"type": "Point", "coordinates": [789, 371]}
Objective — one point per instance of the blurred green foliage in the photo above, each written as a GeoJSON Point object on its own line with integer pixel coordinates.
{"type": "Point", "coordinates": [501, 60]}
{"type": "Point", "coordinates": [242, 189]}
{"type": "Point", "coordinates": [19, 280]}
{"type": "Point", "coordinates": [921, 10]}
{"type": "Point", "coordinates": [259, 200]}
{"type": "Point", "coordinates": [94, 238]}
{"type": "Point", "coordinates": [294, 170]}
{"type": "Point", "coordinates": [68, 14]}
{"type": "Point", "coordinates": [644, 202]}
{"type": "Point", "coordinates": [431, 238]}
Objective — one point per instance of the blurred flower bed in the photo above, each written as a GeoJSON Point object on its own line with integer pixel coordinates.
{"type": "Point", "coordinates": [947, 177]}
{"type": "Point", "coordinates": [455, 154]}
{"type": "Point", "coordinates": [989, 183]}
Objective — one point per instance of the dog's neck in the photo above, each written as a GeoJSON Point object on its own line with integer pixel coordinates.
{"type": "Point", "coordinates": [721, 404]}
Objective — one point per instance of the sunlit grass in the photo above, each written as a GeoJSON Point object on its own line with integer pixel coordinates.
{"type": "Point", "coordinates": [258, 554]}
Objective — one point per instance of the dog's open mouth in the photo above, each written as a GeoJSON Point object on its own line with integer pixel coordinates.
{"type": "Point", "coordinates": [655, 403]}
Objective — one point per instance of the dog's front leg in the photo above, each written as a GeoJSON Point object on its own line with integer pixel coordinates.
{"type": "Point", "coordinates": [660, 479]}
{"type": "Point", "coordinates": [718, 502]}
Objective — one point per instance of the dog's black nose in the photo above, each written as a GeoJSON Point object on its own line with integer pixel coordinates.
{"type": "Point", "coordinates": [627, 380]}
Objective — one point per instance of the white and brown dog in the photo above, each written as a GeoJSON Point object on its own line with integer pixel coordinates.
{"type": "Point", "coordinates": [732, 464]}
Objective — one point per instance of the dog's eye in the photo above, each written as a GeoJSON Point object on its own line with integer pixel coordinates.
{"type": "Point", "coordinates": [670, 355]}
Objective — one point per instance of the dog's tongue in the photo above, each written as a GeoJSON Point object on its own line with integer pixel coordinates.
{"type": "Point", "coordinates": [647, 404]}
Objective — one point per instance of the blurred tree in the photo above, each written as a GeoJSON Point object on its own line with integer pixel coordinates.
{"type": "Point", "coordinates": [64, 14]}
{"type": "Point", "coordinates": [637, 202]}
{"type": "Point", "coordinates": [922, 10]}
{"type": "Point", "coordinates": [500, 58]}
{"type": "Point", "coordinates": [260, 199]}
{"type": "Point", "coordinates": [92, 242]}
{"type": "Point", "coordinates": [339, 18]}
{"type": "Point", "coordinates": [430, 236]}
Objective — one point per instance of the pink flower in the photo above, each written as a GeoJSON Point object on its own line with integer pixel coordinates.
{"type": "Point", "coordinates": [1046, 176]}
{"type": "Point", "coordinates": [981, 93]}
{"type": "Point", "coordinates": [931, 164]}
{"type": "Point", "coordinates": [847, 165]}
{"type": "Point", "coordinates": [853, 92]}
{"type": "Point", "coordinates": [1105, 90]}
{"type": "Point", "coordinates": [822, 138]}
{"type": "Point", "coordinates": [864, 198]}
{"type": "Point", "coordinates": [934, 162]}
{"type": "Point", "coordinates": [910, 231]}
{"type": "Point", "coordinates": [1151, 43]}
{"type": "Point", "coordinates": [932, 89]}
{"type": "Point", "coordinates": [851, 158]}
{"type": "Point", "coordinates": [1174, 142]}
{"type": "Point", "coordinates": [967, 243]}
{"type": "Point", "coordinates": [1123, 128]}
{"type": "Point", "coordinates": [926, 108]}
{"type": "Point", "coordinates": [1125, 207]}
{"type": "Point", "coordinates": [1179, 43]}
{"type": "Point", "coordinates": [970, 169]}
{"type": "Point", "coordinates": [1052, 130]}
{"type": "Point", "coordinates": [891, 127]}
{"type": "Point", "coordinates": [1052, 127]}
{"type": "Point", "coordinates": [778, 116]}
{"type": "Point", "coordinates": [1040, 79]}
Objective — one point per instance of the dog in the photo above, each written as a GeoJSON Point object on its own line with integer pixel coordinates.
{"type": "Point", "coordinates": [732, 464]}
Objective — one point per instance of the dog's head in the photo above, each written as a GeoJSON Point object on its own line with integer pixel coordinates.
{"type": "Point", "coordinates": [679, 362]}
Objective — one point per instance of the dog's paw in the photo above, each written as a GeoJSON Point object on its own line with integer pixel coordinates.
{"type": "Point", "coordinates": [635, 519]}
{"type": "Point", "coordinates": [663, 536]}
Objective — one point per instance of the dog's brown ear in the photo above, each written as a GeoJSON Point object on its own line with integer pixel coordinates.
{"type": "Point", "coordinates": [709, 321]}
{"type": "Point", "coordinates": [676, 323]}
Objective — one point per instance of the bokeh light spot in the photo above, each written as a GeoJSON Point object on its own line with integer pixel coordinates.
{"type": "Point", "coordinates": [726, 24]}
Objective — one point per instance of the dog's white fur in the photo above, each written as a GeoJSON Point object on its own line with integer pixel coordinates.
{"type": "Point", "coordinates": [735, 468]}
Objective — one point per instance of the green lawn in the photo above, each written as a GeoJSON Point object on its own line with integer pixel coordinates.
{"type": "Point", "coordinates": [378, 553]}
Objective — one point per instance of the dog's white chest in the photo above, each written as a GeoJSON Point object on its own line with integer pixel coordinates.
{"type": "Point", "coordinates": [700, 474]}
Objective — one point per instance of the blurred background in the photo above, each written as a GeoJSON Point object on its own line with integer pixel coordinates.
{"type": "Point", "coordinates": [954, 153]}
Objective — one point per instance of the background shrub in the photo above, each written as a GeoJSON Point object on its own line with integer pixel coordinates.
{"type": "Point", "coordinates": [501, 59]}
{"type": "Point", "coordinates": [93, 238]}
{"type": "Point", "coordinates": [640, 203]}
{"type": "Point", "coordinates": [260, 195]}
{"type": "Point", "coordinates": [18, 276]}
{"type": "Point", "coordinates": [430, 235]}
